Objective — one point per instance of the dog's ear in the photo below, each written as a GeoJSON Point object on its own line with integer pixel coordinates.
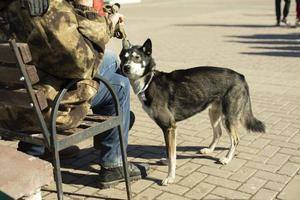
{"type": "Point", "coordinates": [147, 47]}
{"type": "Point", "coordinates": [126, 44]}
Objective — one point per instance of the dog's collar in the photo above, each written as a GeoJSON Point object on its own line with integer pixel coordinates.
{"type": "Point", "coordinates": [142, 91]}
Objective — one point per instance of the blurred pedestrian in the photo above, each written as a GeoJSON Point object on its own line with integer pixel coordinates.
{"type": "Point", "coordinates": [298, 13]}
{"type": "Point", "coordinates": [285, 11]}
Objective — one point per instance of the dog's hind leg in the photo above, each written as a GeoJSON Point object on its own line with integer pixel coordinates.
{"type": "Point", "coordinates": [215, 116]}
{"type": "Point", "coordinates": [170, 137]}
{"type": "Point", "coordinates": [234, 140]}
{"type": "Point", "coordinates": [232, 108]}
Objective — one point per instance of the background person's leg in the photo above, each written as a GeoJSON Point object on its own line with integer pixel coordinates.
{"type": "Point", "coordinates": [298, 9]}
{"type": "Point", "coordinates": [286, 8]}
{"type": "Point", "coordinates": [278, 10]}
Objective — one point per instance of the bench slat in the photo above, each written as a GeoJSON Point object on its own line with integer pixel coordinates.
{"type": "Point", "coordinates": [12, 75]}
{"type": "Point", "coordinates": [8, 56]}
{"type": "Point", "coordinates": [21, 98]}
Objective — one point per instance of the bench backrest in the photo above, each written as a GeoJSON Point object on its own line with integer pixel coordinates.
{"type": "Point", "coordinates": [17, 79]}
{"type": "Point", "coordinates": [13, 74]}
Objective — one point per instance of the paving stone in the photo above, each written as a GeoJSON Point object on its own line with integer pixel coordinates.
{"type": "Point", "coordinates": [252, 157]}
{"type": "Point", "coordinates": [192, 179]}
{"type": "Point", "coordinates": [275, 186]}
{"type": "Point", "coordinates": [172, 188]}
{"type": "Point", "coordinates": [199, 191]}
{"type": "Point", "coordinates": [157, 176]}
{"type": "Point", "coordinates": [291, 191]}
{"type": "Point", "coordinates": [250, 137]}
{"type": "Point", "coordinates": [289, 169]}
{"type": "Point", "coordinates": [252, 185]}
{"type": "Point", "coordinates": [141, 185]}
{"type": "Point", "coordinates": [182, 161]}
{"type": "Point", "coordinates": [243, 174]}
{"type": "Point", "coordinates": [276, 137]}
{"type": "Point", "coordinates": [290, 151]}
{"type": "Point", "coordinates": [148, 194]}
{"type": "Point", "coordinates": [234, 165]}
{"type": "Point", "coordinates": [272, 177]}
{"type": "Point", "coordinates": [265, 194]}
{"type": "Point", "coordinates": [278, 159]}
{"type": "Point", "coordinates": [187, 169]}
{"type": "Point", "coordinates": [87, 190]}
{"type": "Point", "coordinates": [281, 125]}
{"type": "Point", "coordinates": [247, 149]}
{"type": "Point", "coordinates": [230, 194]}
{"type": "Point", "coordinates": [215, 171]}
{"type": "Point", "coordinates": [295, 159]}
{"type": "Point", "coordinates": [222, 182]}
{"type": "Point", "coordinates": [112, 193]}
{"type": "Point", "coordinates": [50, 196]}
{"type": "Point", "coordinates": [69, 188]}
{"type": "Point", "coordinates": [206, 160]}
{"type": "Point", "coordinates": [290, 132]}
{"type": "Point", "coordinates": [296, 138]}
{"type": "Point", "coordinates": [260, 143]}
{"type": "Point", "coordinates": [269, 151]}
{"type": "Point", "coordinates": [285, 144]}
{"type": "Point", "coordinates": [262, 166]}
{"type": "Point", "coordinates": [212, 197]}
{"type": "Point", "coordinates": [166, 195]}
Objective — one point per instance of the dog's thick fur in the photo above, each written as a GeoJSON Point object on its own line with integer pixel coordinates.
{"type": "Point", "coordinates": [175, 96]}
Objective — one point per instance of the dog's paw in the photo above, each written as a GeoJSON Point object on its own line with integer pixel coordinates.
{"type": "Point", "coordinates": [168, 180]}
{"type": "Point", "coordinates": [224, 161]}
{"type": "Point", "coordinates": [206, 151]}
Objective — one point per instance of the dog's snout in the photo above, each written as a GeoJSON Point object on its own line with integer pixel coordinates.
{"type": "Point", "coordinates": [126, 68]}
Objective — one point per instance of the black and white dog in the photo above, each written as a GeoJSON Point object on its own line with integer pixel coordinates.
{"type": "Point", "coordinates": [175, 96]}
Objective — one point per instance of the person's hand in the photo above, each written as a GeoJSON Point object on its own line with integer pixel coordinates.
{"type": "Point", "coordinates": [115, 19]}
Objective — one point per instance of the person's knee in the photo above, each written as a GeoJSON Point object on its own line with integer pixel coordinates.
{"type": "Point", "coordinates": [124, 89]}
{"type": "Point", "coordinates": [110, 58]}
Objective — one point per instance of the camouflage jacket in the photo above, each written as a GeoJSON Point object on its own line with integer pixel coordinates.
{"type": "Point", "coordinates": [66, 43]}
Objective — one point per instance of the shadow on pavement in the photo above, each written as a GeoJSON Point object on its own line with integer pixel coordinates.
{"type": "Point", "coordinates": [158, 152]}
{"type": "Point", "coordinates": [78, 196]}
{"type": "Point", "coordinates": [81, 170]}
{"type": "Point", "coordinates": [278, 45]}
{"type": "Point", "coordinates": [227, 25]}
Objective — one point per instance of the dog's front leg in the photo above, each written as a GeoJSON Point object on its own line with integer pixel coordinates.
{"type": "Point", "coordinates": [170, 137]}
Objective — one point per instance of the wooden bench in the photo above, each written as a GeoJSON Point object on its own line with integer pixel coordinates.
{"type": "Point", "coordinates": [17, 77]}
{"type": "Point", "coordinates": [22, 176]}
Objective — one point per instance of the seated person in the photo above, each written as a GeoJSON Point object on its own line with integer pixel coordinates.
{"type": "Point", "coordinates": [67, 40]}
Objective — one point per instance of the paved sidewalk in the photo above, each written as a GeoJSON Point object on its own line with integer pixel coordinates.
{"type": "Point", "coordinates": [235, 34]}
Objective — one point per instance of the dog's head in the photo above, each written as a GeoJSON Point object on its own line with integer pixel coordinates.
{"type": "Point", "coordinates": [136, 61]}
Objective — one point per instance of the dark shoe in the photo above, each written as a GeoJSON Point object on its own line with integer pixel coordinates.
{"type": "Point", "coordinates": [277, 23]}
{"type": "Point", "coordinates": [67, 153]}
{"type": "Point", "coordinates": [132, 119]}
{"type": "Point", "coordinates": [111, 177]}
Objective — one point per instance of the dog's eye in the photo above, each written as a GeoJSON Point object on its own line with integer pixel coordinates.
{"type": "Point", "coordinates": [137, 57]}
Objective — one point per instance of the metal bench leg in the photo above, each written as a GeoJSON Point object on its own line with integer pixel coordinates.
{"type": "Point", "coordinates": [57, 174]}
{"type": "Point", "coordinates": [121, 135]}
{"type": "Point", "coordinates": [56, 165]}
{"type": "Point", "coordinates": [124, 160]}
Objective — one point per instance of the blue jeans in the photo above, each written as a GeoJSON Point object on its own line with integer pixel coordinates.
{"type": "Point", "coordinates": [108, 142]}
{"type": "Point", "coordinates": [102, 103]}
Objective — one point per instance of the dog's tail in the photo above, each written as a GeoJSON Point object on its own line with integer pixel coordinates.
{"type": "Point", "coordinates": [248, 119]}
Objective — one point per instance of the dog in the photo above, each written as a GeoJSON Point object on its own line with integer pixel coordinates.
{"type": "Point", "coordinates": [172, 97]}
